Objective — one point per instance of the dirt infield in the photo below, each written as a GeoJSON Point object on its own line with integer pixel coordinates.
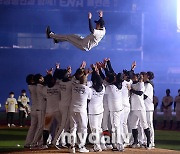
{"type": "Point", "coordinates": [127, 151]}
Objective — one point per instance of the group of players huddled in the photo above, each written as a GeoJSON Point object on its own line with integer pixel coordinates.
{"type": "Point", "coordinates": [111, 111]}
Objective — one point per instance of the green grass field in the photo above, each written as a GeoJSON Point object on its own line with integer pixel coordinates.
{"type": "Point", "coordinates": [11, 137]}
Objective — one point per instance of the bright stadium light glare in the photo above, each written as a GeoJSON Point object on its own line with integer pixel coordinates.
{"type": "Point", "coordinates": [178, 16]}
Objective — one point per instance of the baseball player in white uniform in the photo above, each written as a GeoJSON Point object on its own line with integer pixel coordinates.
{"type": "Point", "coordinates": [148, 100]}
{"type": "Point", "coordinates": [95, 110]}
{"type": "Point", "coordinates": [78, 108]}
{"type": "Point", "coordinates": [34, 118]}
{"type": "Point", "coordinates": [84, 44]}
{"type": "Point", "coordinates": [114, 96]}
{"type": "Point", "coordinates": [40, 110]}
{"type": "Point", "coordinates": [11, 107]}
{"type": "Point", "coordinates": [65, 86]}
{"type": "Point", "coordinates": [126, 105]}
{"type": "Point", "coordinates": [138, 110]}
{"type": "Point", "coordinates": [52, 94]}
{"type": "Point", "coordinates": [177, 109]}
{"type": "Point", "coordinates": [167, 108]}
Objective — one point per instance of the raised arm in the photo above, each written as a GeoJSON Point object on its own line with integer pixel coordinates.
{"type": "Point", "coordinates": [90, 22]}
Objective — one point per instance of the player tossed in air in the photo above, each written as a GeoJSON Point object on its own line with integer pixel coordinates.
{"type": "Point", "coordinates": [86, 43]}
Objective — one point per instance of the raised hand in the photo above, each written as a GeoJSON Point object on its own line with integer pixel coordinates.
{"type": "Point", "coordinates": [89, 15]}
{"type": "Point", "coordinates": [50, 71]}
{"type": "Point", "coordinates": [69, 70]}
{"type": "Point", "coordinates": [133, 66]}
{"type": "Point", "coordinates": [83, 65]}
{"type": "Point", "coordinates": [57, 65]}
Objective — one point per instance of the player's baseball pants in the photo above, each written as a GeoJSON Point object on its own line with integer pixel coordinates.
{"type": "Point", "coordinates": [149, 115]}
{"type": "Point", "coordinates": [141, 135]}
{"type": "Point", "coordinates": [116, 123]}
{"type": "Point", "coordinates": [73, 39]}
{"type": "Point", "coordinates": [137, 115]}
{"type": "Point", "coordinates": [106, 114]}
{"type": "Point", "coordinates": [49, 117]}
{"type": "Point", "coordinates": [32, 129]}
{"type": "Point", "coordinates": [78, 123]}
{"type": "Point", "coordinates": [40, 126]}
{"type": "Point", "coordinates": [64, 119]}
{"type": "Point", "coordinates": [125, 126]}
{"type": "Point", "coordinates": [95, 121]}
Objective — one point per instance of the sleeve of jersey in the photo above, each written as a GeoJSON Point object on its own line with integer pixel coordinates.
{"type": "Point", "coordinates": [147, 91]}
{"type": "Point", "coordinates": [110, 67]}
{"type": "Point", "coordinates": [91, 27]}
{"type": "Point", "coordinates": [101, 74]}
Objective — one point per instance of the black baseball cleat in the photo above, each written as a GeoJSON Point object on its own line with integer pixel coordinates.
{"type": "Point", "coordinates": [55, 41]}
{"type": "Point", "coordinates": [48, 31]}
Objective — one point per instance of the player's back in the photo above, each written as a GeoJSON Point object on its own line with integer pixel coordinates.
{"type": "Point", "coordinates": [53, 98]}
{"type": "Point", "coordinates": [80, 94]}
{"type": "Point", "coordinates": [95, 106]}
{"type": "Point", "coordinates": [114, 96]}
{"type": "Point", "coordinates": [66, 93]}
{"type": "Point", "coordinates": [33, 96]}
{"type": "Point", "coordinates": [137, 101]}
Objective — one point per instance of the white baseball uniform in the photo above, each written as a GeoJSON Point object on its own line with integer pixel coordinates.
{"type": "Point", "coordinates": [41, 106]}
{"type": "Point", "coordinates": [53, 98]}
{"type": "Point", "coordinates": [95, 113]}
{"type": "Point", "coordinates": [138, 110]}
{"type": "Point", "coordinates": [84, 44]}
{"type": "Point", "coordinates": [78, 108]}
{"type": "Point", "coordinates": [34, 117]}
{"type": "Point", "coordinates": [126, 110]}
{"type": "Point", "coordinates": [66, 93]}
{"type": "Point", "coordinates": [149, 108]}
{"type": "Point", "coordinates": [114, 97]}
{"type": "Point", "coordinates": [106, 114]}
